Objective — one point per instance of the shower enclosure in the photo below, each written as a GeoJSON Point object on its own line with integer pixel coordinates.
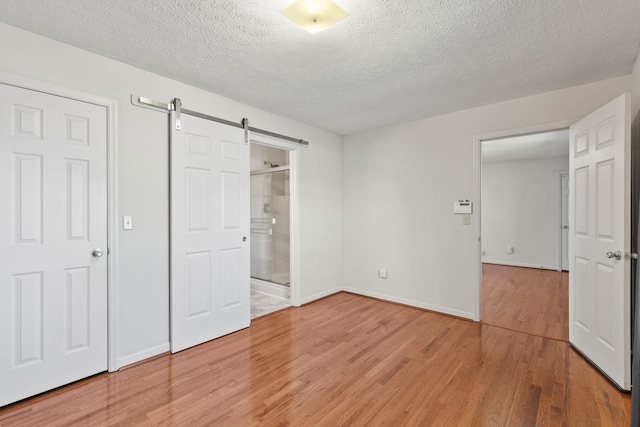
{"type": "Point", "coordinates": [270, 209]}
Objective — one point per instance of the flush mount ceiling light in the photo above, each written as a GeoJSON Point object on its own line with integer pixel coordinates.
{"type": "Point", "coordinates": [314, 15]}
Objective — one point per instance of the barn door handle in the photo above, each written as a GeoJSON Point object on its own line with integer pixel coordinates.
{"type": "Point", "coordinates": [617, 255]}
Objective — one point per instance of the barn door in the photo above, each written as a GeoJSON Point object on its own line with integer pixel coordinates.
{"type": "Point", "coordinates": [53, 242]}
{"type": "Point", "coordinates": [210, 289]}
{"type": "Point", "coordinates": [599, 207]}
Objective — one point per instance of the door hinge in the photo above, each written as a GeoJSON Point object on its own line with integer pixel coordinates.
{"type": "Point", "coordinates": [630, 255]}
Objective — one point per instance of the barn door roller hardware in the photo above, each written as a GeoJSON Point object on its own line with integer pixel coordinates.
{"type": "Point", "coordinates": [176, 105]}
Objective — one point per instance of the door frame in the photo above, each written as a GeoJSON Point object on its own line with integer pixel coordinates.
{"type": "Point", "coordinates": [294, 207]}
{"type": "Point", "coordinates": [477, 191]}
{"type": "Point", "coordinates": [560, 245]}
{"type": "Point", "coordinates": [112, 194]}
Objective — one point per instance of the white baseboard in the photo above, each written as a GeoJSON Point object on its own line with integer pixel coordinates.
{"type": "Point", "coordinates": [413, 303]}
{"type": "Point", "coordinates": [520, 264]}
{"type": "Point", "coordinates": [320, 295]}
{"type": "Point", "coordinates": [137, 357]}
{"type": "Point", "coordinates": [268, 288]}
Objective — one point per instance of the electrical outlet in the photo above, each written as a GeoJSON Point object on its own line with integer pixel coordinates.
{"type": "Point", "coordinates": [382, 273]}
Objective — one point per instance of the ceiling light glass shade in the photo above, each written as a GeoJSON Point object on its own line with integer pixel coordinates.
{"type": "Point", "coordinates": [314, 15]}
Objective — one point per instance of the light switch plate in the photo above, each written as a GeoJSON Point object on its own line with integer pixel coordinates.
{"type": "Point", "coordinates": [127, 223]}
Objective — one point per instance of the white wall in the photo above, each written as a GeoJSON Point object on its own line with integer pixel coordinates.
{"type": "Point", "coordinates": [520, 208]}
{"type": "Point", "coordinates": [399, 186]}
{"type": "Point", "coordinates": [143, 288]}
{"type": "Point", "coordinates": [262, 153]}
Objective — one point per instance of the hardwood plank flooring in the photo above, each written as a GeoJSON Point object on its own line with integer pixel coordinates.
{"type": "Point", "coordinates": [528, 300]}
{"type": "Point", "coordinates": [345, 360]}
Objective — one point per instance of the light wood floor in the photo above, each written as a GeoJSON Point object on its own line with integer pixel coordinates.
{"type": "Point", "coordinates": [346, 360]}
{"type": "Point", "coordinates": [526, 300]}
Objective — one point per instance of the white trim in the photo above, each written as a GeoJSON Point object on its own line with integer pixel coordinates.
{"type": "Point", "coordinates": [294, 177]}
{"type": "Point", "coordinates": [413, 303]}
{"type": "Point", "coordinates": [559, 220]}
{"type": "Point", "coordinates": [560, 174]}
{"type": "Point", "coordinates": [322, 294]}
{"type": "Point", "coordinates": [520, 264]}
{"type": "Point", "coordinates": [142, 355]}
{"type": "Point", "coordinates": [113, 253]}
{"type": "Point", "coordinates": [112, 189]}
{"type": "Point", "coordinates": [477, 190]}
{"type": "Point", "coordinates": [51, 89]}
{"type": "Point", "coordinates": [476, 229]}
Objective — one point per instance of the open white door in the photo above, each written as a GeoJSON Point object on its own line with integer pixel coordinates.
{"type": "Point", "coordinates": [53, 242]}
{"type": "Point", "coordinates": [599, 292]}
{"type": "Point", "coordinates": [210, 288]}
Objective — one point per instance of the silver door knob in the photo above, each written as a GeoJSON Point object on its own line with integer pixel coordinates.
{"type": "Point", "coordinates": [566, 227]}
{"type": "Point", "coordinates": [617, 255]}
{"type": "Point", "coordinates": [97, 253]}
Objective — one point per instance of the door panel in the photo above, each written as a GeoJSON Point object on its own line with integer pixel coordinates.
{"type": "Point", "coordinates": [28, 321]}
{"type": "Point", "coordinates": [209, 221]}
{"type": "Point", "coordinates": [53, 292]}
{"type": "Point", "coordinates": [582, 314]}
{"type": "Point", "coordinates": [28, 197]}
{"type": "Point", "coordinates": [605, 189]}
{"type": "Point", "coordinates": [232, 277]}
{"type": "Point", "coordinates": [78, 194]}
{"type": "Point", "coordinates": [232, 199]}
{"type": "Point", "coordinates": [599, 293]}
{"type": "Point", "coordinates": [78, 320]}
{"type": "Point", "coordinates": [581, 190]}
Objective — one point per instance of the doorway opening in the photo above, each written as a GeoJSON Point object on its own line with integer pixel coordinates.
{"type": "Point", "coordinates": [599, 239]}
{"type": "Point", "coordinates": [270, 207]}
{"type": "Point", "coordinates": [523, 232]}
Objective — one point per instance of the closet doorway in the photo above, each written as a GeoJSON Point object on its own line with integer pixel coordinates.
{"type": "Point", "coordinates": [270, 229]}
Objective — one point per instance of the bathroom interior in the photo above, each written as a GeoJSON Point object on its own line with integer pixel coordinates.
{"type": "Point", "coordinates": [270, 230]}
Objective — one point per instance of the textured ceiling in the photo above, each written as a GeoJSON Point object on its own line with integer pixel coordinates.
{"type": "Point", "coordinates": [388, 62]}
{"type": "Point", "coordinates": [545, 145]}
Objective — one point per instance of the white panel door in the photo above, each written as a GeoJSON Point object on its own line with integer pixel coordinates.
{"type": "Point", "coordinates": [53, 292]}
{"type": "Point", "coordinates": [599, 292]}
{"type": "Point", "coordinates": [210, 287]}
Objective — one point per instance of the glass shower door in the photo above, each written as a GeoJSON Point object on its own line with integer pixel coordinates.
{"type": "Point", "coordinates": [270, 206]}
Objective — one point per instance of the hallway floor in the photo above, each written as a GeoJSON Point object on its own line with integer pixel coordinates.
{"type": "Point", "coordinates": [527, 300]}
